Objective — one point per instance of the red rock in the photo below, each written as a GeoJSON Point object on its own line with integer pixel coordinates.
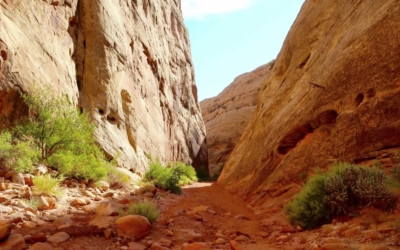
{"type": "Point", "coordinates": [197, 246]}
{"type": "Point", "coordinates": [334, 246]}
{"type": "Point", "coordinates": [186, 235]}
{"type": "Point", "coordinates": [134, 226]}
{"type": "Point", "coordinates": [41, 246]}
{"type": "Point", "coordinates": [13, 242]}
{"type": "Point", "coordinates": [136, 246]}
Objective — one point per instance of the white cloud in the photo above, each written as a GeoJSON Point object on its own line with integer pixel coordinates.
{"type": "Point", "coordinates": [200, 8]}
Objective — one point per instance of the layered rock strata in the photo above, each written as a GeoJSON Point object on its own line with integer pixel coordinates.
{"type": "Point", "coordinates": [332, 95]}
{"type": "Point", "coordinates": [227, 115]}
{"type": "Point", "coordinates": [126, 63]}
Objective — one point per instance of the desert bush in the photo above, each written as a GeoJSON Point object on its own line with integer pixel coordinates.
{"type": "Point", "coordinates": [187, 173]}
{"type": "Point", "coordinates": [33, 203]}
{"type": "Point", "coordinates": [171, 177]}
{"type": "Point", "coordinates": [117, 178]}
{"type": "Point", "coordinates": [48, 184]}
{"type": "Point", "coordinates": [354, 187]}
{"type": "Point", "coordinates": [16, 154]}
{"type": "Point", "coordinates": [342, 191]}
{"type": "Point", "coordinates": [146, 209]}
{"type": "Point", "coordinates": [308, 209]}
{"type": "Point", "coordinates": [55, 133]}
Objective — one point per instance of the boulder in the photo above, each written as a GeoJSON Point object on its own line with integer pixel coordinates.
{"type": "Point", "coordinates": [134, 226]}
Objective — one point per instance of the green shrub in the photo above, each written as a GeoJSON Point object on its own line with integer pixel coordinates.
{"type": "Point", "coordinates": [308, 210]}
{"type": "Point", "coordinates": [55, 133]}
{"type": "Point", "coordinates": [187, 173]}
{"type": "Point", "coordinates": [172, 177]}
{"type": "Point", "coordinates": [354, 187]}
{"type": "Point", "coordinates": [117, 178]}
{"type": "Point", "coordinates": [343, 191]}
{"type": "Point", "coordinates": [16, 154]}
{"type": "Point", "coordinates": [47, 184]}
{"type": "Point", "coordinates": [146, 209]}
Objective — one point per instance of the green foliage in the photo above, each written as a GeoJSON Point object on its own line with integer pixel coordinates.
{"type": "Point", "coordinates": [16, 154]}
{"type": "Point", "coordinates": [354, 187]}
{"type": "Point", "coordinates": [187, 173]}
{"type": "Point", "coordinates": [47, 184]}
{"type": "Point", "coordinates": [308, 210]}
{"type": "Point", "coordinates": [146, 209]}
{"type": "Point", "coordinates": [55, 133]}
{"type": "Point", "coordinates": [33, 202]}
{"type": "Point", "coordinates": [343, 191]}
{"type": "Point", "coordinates": [117, 178]}
{"type": "Point", "coordinates": [172, 177]}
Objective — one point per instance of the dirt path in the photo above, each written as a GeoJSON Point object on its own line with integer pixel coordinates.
{"type": "Point", "coordinates": [206, 213]}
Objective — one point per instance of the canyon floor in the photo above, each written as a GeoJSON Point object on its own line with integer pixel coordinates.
{"type": "Point", "coordinates": [204, 213]}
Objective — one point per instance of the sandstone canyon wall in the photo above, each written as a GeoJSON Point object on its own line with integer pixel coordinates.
{"type": "Point", "coordinates": [227, 115]}
{"type": "Point", "coordinates": [127, 63]}
{"type": "Point", "coordinates": [333, 94]}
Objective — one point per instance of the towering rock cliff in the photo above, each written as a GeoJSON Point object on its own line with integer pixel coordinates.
{"type": "Point", "coordinates": [333, 94]}
{"type": "Point", "coordinates": [128, 63]}
{"type": "Point", "coordinates": [227, 115]}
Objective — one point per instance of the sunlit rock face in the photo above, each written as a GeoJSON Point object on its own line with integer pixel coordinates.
{"type": "Point", "coordinates": [332, 95]}
{"type": "Point", "coordinates": [127, 63]}
{"type": "Point", "coordinates": [227, 115]}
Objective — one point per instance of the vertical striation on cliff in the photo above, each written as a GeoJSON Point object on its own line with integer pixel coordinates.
{"type": "Point", "coordinates": [227, 115]}
{"type": "Point", "coordinates": [332, 95]}
{"type": "Point", "coordinates": [127, 63]}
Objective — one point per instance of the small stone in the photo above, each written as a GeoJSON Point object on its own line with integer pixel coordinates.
{"type": "Point", "coordinates": [14, 242]}
{"type": "Point", "coordinates": [107, 233]}
{"type": "Point", "coordinates": [220, 241]}
{"type": "Point", "coordinates": [108, 195]}
{"type": "Point", "coordinates": [29, 224]}
{"type": "Point", "coordinates": [165, 242]}
{"type": "Point", "coordinates": [77, 202]}
{"type": "Point", "coordinates": [136, 246]}
{"type": "Point", "coordinates": [281, 238]}
{"type": "Point", "coordinates": [39, 237]}
{"type": "Point", "coordinates": [241, 217]}
{"type": "Point", "coordinates": [197, 246]}
{"type": "Point", "coordinates": [352, 232]}
{"type": "Point", "coordinates": [102, 222]}
{"type": "Point", "coordinates": [157, 246]}
{"type": "Point", "coordinates": [107, 209]}
{"type": "Point", "coordinates": [58, 238]}
{"type": "Point", "coordinates": [334, 246]}
{"type": "Point", "coordinates": [5, 231]}
{"type": "Point", "coordinates": [18, 178]}
{"type": "Point", "coordinates": [41, 246]}
{"type": "Point", "coordinates": [103, 185]}
{"type": "Point", "coordinates": [242, 238]}
{"type": "Point", "coordinates": [63, 220]}
{"type": "Point", "coordinates": [186, 235]}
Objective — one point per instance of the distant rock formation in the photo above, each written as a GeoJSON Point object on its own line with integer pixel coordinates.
{"type": "Point", "coordinates": [226, 115]}
{"type": "Point", "coordinates": [332, 95]}
{"type": "Point", "coordinates": [127, 63]}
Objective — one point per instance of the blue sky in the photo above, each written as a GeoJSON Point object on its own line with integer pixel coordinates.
{"type": "Point", "coordinates": [231, 37]}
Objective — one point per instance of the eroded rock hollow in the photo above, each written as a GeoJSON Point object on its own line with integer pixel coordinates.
{"type": "Point", "coordinates": [332, 95]}
{"type": "Point", "coordinates": [127, 63]}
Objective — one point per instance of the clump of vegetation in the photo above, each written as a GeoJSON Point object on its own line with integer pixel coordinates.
{"type": "Point", "coordinates": [47, 184]}
{"type": "Point", "coordinates": [146, 209]}
{"type": "Point", "coordinates": [57, 134]}
{"type": "Point", "coordinates": [33, 203]}
{"type": "Point", "coordinates": [171, 177]}
{"type": "Point", "coordinates": [342, 191]}
{"type": "Point", "coordinates": [17, 153]}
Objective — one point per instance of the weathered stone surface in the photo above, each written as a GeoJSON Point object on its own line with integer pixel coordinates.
{"type": "Point", "coordinates": [186, 235]}
{"type": "Point", "coordinates": [126, 63]}
{"type": "Point", "coordinates": [5, 231]}
{"type": "Point", "coordinates": [332, 94]}
{"type": "Point", "coordinates": [134, 226]}
{"type": "Point", "coordinates": [41, 246]}
{"type": "Point", "coordinates": [58, 237]}
{"type": "Point", "coordinates": [13, 242]}
{"type": "Point", "coordinates": [227, 115]}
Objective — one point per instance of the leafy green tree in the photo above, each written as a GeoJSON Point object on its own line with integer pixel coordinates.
{"type": "Point", "coordinates": [63, 135]}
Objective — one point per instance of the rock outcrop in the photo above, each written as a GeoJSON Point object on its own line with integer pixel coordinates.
{"type": "Point", "coordinates": [126, 63]}
{"type": "Point", "coordinates": [332, 95]}
{"type": "Point", "coordinates": [227, 115]}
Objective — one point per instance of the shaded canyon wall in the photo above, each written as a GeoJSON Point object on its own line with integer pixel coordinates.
{"type": "Point", "coordinates": [127, 63]}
